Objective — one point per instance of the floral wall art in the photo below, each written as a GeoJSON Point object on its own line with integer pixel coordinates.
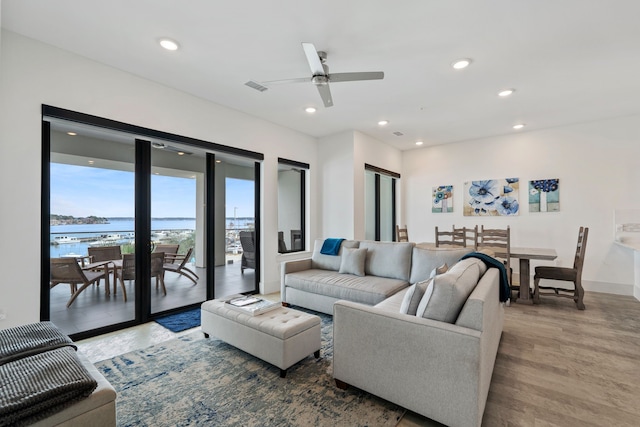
{"type": "Point", "coordinates": [544, 195]}
{"type": "Point", "coordinates": [442, 199]}
{"type": "Point", "coordinates": [493, 197]}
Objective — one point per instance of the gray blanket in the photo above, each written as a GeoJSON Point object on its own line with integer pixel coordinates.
{"type": "Point", "coordinates": [37, 386]}
{"type": "Point", "coordinates": [26, 340]}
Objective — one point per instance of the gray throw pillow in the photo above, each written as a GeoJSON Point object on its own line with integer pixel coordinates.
{"type": "Point", "coordinates": [352, 261]}
{"type": "Point", "coordinates": [413, 297]}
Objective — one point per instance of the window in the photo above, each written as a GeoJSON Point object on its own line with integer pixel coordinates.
{"type": "Point", "coordinates": [380, 204]}
{"type": "Point", "coordinates": [291, 205]}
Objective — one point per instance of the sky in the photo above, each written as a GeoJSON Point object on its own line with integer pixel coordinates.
{"type": "Point", "coordinates": [84, 191]}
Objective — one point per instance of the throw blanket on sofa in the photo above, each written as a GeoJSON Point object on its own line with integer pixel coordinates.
{"type": "Point", "coordinates": [27, 340]}
{"type": "Point", "coordinates": [505, 289]}
{"type": "Point", "coordinates": [37, 386]}
{"type": "Point", "coordinates": [331, 246]}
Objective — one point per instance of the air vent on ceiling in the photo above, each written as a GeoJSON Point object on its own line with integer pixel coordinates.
{"type": "Point", "coordinates": [396, 133]}
{"type": "Point", "coordinates": [256, 86]}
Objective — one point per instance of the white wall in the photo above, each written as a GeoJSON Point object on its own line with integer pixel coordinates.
{"type": "Point", "coordinates": [371, 151]}
{"type": "Point", "coordinates": [597, 164]}
{"type": "Point", "coordinates": [33, 74]}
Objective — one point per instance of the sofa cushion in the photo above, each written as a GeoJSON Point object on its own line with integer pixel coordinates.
{"type": "Point", "coordinates": [413, 296]}
{"type": "Point", "coordinates": [424, 260]}
{"type": "Point", "coordinates": [368, 290]}
{"type": "Point", "coordinates": [329, 262]}
{"type": "Point", "coordinates": [353, 261]}
{"type": "Point", "coordinates": [450, 291]}
{"type": "Point", "coordinates": [388, 259]}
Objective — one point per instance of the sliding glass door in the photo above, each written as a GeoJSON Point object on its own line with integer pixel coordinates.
{"type": "Point", "coordinates": [137, 213]}
{"type": "Point", "coordinates": [380, 204]}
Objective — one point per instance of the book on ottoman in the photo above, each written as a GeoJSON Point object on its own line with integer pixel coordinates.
{"type": "Point", "coordinates": [250, 305]}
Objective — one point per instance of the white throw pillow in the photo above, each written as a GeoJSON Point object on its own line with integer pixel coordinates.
{"type": "Point", "coordinates": [413, 297]}
{"type": "Point", "coordinates": [352, 261]}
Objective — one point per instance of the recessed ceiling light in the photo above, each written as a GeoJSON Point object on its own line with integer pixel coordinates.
{"type": "Point", "coordinates": [419, 142]}
{"type": "Point", "coordinates": [519, 126]}
{"type": "Point", "coordinates": [310, 110]}
{"type": "Point", "coordinates": [218, 161]}
{"type": "Point", "coordinates": [169, 44]}
{"type": "Point", "coordinates": [71, 133]}
{"type": "Point", "coordinates": [461, 63]}
{"type": "Point", "coordinates": [91, 162]}
{"type": "Point", "coordinates": [383, 122]}
{"type": "Point", "coordinates": [180, 153]}
{"type": "Point", "coordinates": [506, 92]}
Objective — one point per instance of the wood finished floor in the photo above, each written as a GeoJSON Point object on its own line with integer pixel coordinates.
{"type": "Point", "coordinates": [556, 366]}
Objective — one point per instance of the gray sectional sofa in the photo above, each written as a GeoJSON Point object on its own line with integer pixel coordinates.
{"type": "Point", "coordinates": [437, 363]}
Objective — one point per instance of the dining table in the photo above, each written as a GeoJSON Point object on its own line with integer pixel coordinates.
{"type": "Point", "coordinates": [525, 255]}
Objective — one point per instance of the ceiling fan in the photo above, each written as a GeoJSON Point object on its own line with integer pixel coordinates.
{"type": "Point", "coordinates": [320, 75]}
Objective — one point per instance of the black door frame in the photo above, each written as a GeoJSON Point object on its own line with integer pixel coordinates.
{"type": "Point", "coordinates": [377, 214]}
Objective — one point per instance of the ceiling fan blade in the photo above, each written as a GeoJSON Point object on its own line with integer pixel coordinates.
{"type": "Point", "coordinates": [325, 94]}
{"type": "Point", "coordinates": [278, 82]}
{"type": "Point", "coordinates": [350, 77]}
{"type": "Point", "coordinates": [313, 59]}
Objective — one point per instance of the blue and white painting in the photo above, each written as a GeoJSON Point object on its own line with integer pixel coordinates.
{"type": "Point", "coordinates": [492, 197]}
{"type": "Point", "coordinates": [442, 199]}
{"type": "Point", "coordinates": [544, 195]}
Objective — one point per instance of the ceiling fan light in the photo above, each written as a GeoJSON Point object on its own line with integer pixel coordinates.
{"type": "Point", "coordinates": [169, 44]}
{"type": "Point", "coordinates": [459, 64]}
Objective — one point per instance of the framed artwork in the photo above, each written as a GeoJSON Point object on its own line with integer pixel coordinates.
{"type": "Point", "coordinates": [493, 197]}
{"type": "Point", "coordinates": [544, 195]}
{"type": "Point", "coordinates": [442, 199]}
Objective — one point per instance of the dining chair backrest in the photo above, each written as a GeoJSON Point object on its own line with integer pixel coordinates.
{"type": "Point", "coordinates": [581, 249]}
{"type": "Point", "coordinates": [129, 265]}
{"type": "Point", "coordinates": [104, 253]}
{"type": "Point", "coordinates": [455, 237]}
{"type": "Point", "coordinates": [497, 240]}
{"type": "Point", "coordinates": [402, 235]}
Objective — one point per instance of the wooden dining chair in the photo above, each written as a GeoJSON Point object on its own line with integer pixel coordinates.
{"type": "Point", "coordinates": [499, 241]}
{"type": "Point", "coordinates": [67, 270]}
{"type": "Point", "coordinates": [107, 253]}
{"type": "Point", "coordinates": [460, 237]}
{"type": "Point", "coordinates": [565, 274]}
{"type": "Point", "coordinates": [402, 235]}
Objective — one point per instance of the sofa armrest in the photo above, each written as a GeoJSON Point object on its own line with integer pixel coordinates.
{"type": "Point", "coordinates": [430, 367]}
{"type": "Point", "coordinates": [291, 267]}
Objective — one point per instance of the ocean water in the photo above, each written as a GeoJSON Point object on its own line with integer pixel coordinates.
{"type": "Point", "coordinates": [125, 228]}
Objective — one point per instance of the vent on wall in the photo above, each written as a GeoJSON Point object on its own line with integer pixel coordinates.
{"type": "Point", "coordinates": [256, 86]}
{"type": "Point", "coordinates": [396, 133]}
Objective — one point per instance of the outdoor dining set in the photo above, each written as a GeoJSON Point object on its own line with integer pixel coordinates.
{"type": "Point", "coordinates": [80, 272]}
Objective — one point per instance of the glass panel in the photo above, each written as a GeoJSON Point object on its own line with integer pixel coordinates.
{"type": "Point", "coordinates": [386, 209]}
{"type": "Point", "coordinates": [289, 209]}
{"type": "Point", "coordinates": [370, 205]}
{"type": "Point", "coordinates": [177, 225]}
{"type": "Point", "coordinates": [91, 225]}
{"type": "Point", "coordinates": [235, 212]}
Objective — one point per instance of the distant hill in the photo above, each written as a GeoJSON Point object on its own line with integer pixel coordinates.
{"type": "Point", "coordinates": [69, 219]}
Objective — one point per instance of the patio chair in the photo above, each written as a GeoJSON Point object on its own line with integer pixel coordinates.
{"type": "Point", "coordinates": [168, 249]}
{"type": "Point", "coordinates": [99, 254]}
{"type": "Point", "coordinates": [176, 263]}
{"type": "Point", "coordinates": [248, 243]}
{"type": "Point", "coordinates": [67, 270]}
{"type": "Point", "coordinates": [128, 271]}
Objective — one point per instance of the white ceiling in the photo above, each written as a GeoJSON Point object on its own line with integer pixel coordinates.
{"type": "Point", "coordinates": [570, 61]}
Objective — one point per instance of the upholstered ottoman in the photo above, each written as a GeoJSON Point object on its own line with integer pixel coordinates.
{"type": "Point", "coordinates": [282, 336]}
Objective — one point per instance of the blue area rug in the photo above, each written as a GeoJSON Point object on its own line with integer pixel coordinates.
{"type": "Point", "coordinates": [196, 381]}
{"type": "Point", "coordinates": [181, 321]}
